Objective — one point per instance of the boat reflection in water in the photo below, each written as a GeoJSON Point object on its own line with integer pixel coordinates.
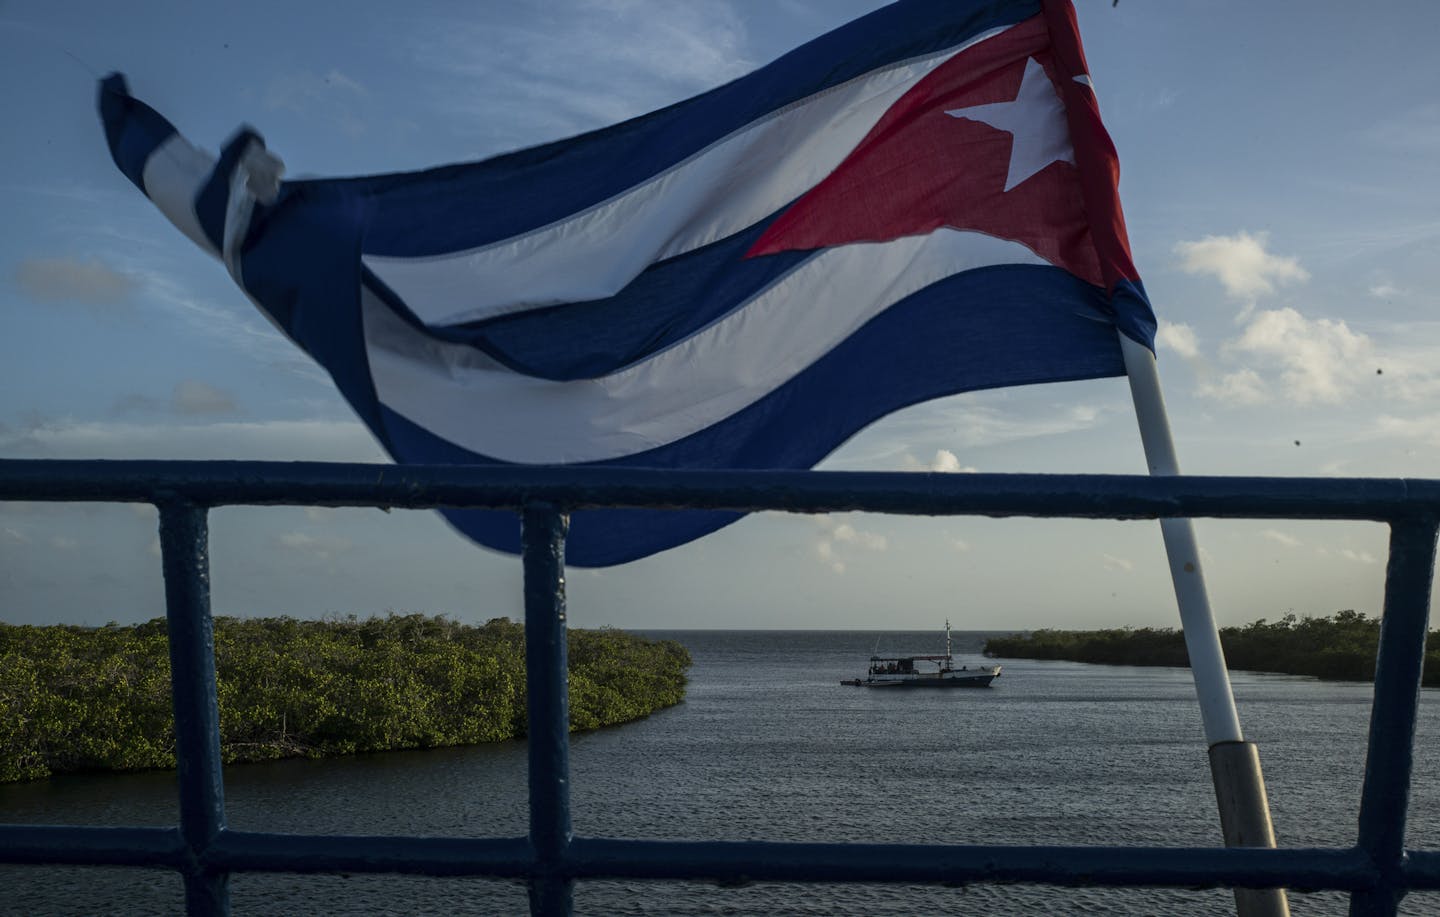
{"type": "Point", "coordinates": [925, 672]}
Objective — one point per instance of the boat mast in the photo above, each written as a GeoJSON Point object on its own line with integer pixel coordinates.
{"type": "Point", "coordinates": [947, 639]}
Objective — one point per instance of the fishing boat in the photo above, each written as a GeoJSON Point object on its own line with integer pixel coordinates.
{"type": "Point", "coordinates": [925, 671]}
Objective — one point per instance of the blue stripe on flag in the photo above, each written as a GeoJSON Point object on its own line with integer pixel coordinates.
{"type": "Point", "coordinates": [133, 129]}
{"type": "Point", "coordinates": [666, 304]}
{"type": "Point", "coordinates": [987, 328]}
{"type": "Point", "coordinates": [301, 269]}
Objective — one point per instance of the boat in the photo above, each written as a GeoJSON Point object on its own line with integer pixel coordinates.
{"type": "Point", "coordinates": [925, 671]}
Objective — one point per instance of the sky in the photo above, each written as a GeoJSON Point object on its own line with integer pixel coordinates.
{"type": "Point", "coordinates": [1280, 182]}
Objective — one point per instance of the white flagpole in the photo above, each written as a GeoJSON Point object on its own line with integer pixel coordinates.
{"type": "Point", "coordinates": [1234, 763]}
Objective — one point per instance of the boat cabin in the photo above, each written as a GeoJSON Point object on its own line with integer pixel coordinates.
{"type": "Point", "coordinates": [904, 665]}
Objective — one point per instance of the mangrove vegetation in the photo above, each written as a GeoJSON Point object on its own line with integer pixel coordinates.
{"type": "Point", "coordinates": [86, 699]}
{"type": "Point", "coordinates": [1339, 647]}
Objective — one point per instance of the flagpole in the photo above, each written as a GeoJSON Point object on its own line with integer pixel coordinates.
{"type": "Point", "coordinates": [1234, 763]}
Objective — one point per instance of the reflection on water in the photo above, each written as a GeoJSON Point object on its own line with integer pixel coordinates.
{"type": "Point", "coordinates": [770, 746]}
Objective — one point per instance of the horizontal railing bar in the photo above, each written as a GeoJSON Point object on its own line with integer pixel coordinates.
{"type": "Point", "coordinates": [1422, 869]}
{"type": "Point", "coordinates": [238, 851]}
{"type": "Point", "coordinates": [87, 845]}
{"type": "Point", "coordinates": [722, 861]}
{"type": "Point", "coordinates": [430, 486]}
{"type": "Point", "coordinates": [1207, 867]}
{"type": "Point", "coordinates": [731, 862]}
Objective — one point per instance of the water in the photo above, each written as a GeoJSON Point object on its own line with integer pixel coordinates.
{"type": "Point", "coordinates": [769, 746]}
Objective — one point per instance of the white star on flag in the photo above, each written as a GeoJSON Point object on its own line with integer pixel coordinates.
{"type": "Point", "coordinates": [1035, 119]}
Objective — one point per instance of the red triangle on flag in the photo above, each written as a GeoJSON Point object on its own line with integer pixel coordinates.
{"type": "Point", "coordinates": [923, 167]}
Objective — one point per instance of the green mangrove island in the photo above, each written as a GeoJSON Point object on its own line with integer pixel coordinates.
{"type": "Point", "coordinates": [91, 699]}
{"type": "Point", "coordinates": [1338, 647]}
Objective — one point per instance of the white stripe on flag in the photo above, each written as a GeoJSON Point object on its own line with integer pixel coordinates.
{"type": "Point", "coordinates": [462, 396]}
{"type": "Point", "coordinates": [732, 184]}
{"type": "Point", "coordinates": [174, 173]}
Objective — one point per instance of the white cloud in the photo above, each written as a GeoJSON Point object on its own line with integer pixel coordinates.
{"type": "Point", "coordinates": [1289, 541]}
{"type": "Point", "coordinates": [825, 552]}
{"type": "Point", "coordinates": [137, 404]}
{"type": "Point", "coordinates": [14, 536]}
{"type": "Point", "coordinates": [1407, 362]}
{"type": "Point", "coordinates": [1385, 291]}
{"type": "Point", "coordinates": [190, 398]}
{"type": "Point", "coordinates": [1325, 361]}
{"type": "Point", "coordinates": [280, 440]}
{"type": "Point", "coordinates": [1179, 338]}
{"type": "Point", "coordinates": [976, 425]}
{"type": "Point", "coordinates": [1243, 386]}
{"type": "Point", "coordinates": [231, 321]}
{"type": "Point", "coordinates": [193, 397]}
{"type": "Point", "coordinates": [1241, 263]}
{"type": "Point", "coordinates": [840, 542]}
{"type": "Point", "coordinates": [974, 420]}
{"type": "Point", "coordinates": [944, 461]}
{"type": "Point", "coordinates": [1424, 429]}
{"type": "Point", "coordinates": [1083, 415]}
{"type": "Point", "coordinates": [700, 43]}
{"type": "Point", "coordinates": [1359, 557]}
{"type": "Point", "coordinates": [69, 191]}
{"type": "Point", "coordinates": [71, 280]}
{"type": "Point", "coordinates": [871, 541]}
{"type": "Point", "coordinates": [322, 547]}
{"type": "Point", "coordinates": [246, 331]}
{"type": "Point", "coordinates": [330, 95]}
{"type": "Point", "coordinates": [513, 76]}
{"type": "Point", "coordinates": [63, 543]}
{"type": "Point", "coordinates": [960, 545]}
{"type": "Point", "coordinates": [1320, 360]}
{"type": "Point", "coordinates": [292, 91]}
{"type": "Point", "coordinates": [1117, 563]}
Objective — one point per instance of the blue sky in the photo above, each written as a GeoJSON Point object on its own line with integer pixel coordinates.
{"type": "Point", "coordinates": [1279, 179]}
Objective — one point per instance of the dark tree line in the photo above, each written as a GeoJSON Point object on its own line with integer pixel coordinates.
{"type": "Point", "coordinates": [1340, 647]}
{"type": "Point", "coordinates": [82, 699]}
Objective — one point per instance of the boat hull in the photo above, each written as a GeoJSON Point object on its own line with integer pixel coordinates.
{"type": "Point", "coordinates": [980, 678]}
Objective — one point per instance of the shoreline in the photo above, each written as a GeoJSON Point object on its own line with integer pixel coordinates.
{"type": "Point", "coordinates": [97, 700]}
{"type": "Point", "coordinates": [1338, 647]}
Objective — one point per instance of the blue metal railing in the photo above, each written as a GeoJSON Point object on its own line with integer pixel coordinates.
{"type": "Point", "coordinates": [1378, 870]}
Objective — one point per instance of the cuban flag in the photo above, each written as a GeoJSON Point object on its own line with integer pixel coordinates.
{"type": "Point", "coordinates": [920, 203]}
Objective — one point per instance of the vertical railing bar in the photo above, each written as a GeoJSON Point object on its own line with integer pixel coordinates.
{"type": "Point", "coordinates": [1399, 665]}
{"type": "Point", "coordinates": [543, 528]}
{"type": "Point", "coordinates": [184, 545]}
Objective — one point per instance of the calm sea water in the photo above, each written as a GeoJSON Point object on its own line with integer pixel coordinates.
{"type": "Point", "coordinates": [769, 746]}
